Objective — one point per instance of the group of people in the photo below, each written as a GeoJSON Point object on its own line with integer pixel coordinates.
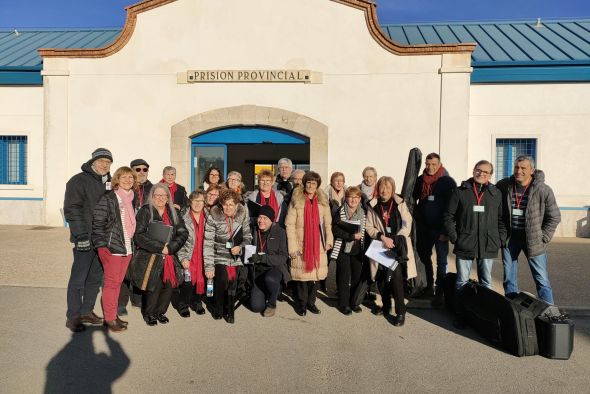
{"type": "Point", "coordinates": [156, 245]}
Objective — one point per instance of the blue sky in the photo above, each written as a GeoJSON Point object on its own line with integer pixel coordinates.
{"type": "Point", "coordinates": [111, 13]}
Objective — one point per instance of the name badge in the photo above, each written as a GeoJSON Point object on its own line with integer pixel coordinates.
{"type": "Point", "coordinates": [479, 208]}
{"type": "Point", "coordinates": [261, 253]}
{"type": "Point", "coordinates": [229, 245]}
{"type": "Point", "coordinates": [431, 198]}
{"type": "Point", "coordinates": [107, 185]}
{"type": "Point", "coordinates": [517, 212]}
{"type": "Point", "coordinates": [388, 229]}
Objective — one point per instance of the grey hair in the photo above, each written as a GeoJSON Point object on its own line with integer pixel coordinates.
{"type": "Point", "coordinates": [369, 168]}
{"type": "Point", "coordinates": [525, 157]}
{"type": "Point", "coordinates": [297, 171]}
{"type": "Point", "coordinates": [285, 161]}
{"type": "Point", "coordinates": [170, 203]}
{"type": "Point", "coordinates": [168, 168]}
{"type": "Point", "coordinates": [484, 162]}
{"type": "Point", "coordinates": [234, 173]}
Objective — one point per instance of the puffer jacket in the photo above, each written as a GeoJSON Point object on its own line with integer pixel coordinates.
{"type": "Point", "coordinates": [375, 226]}
{"type": "Point", "coordinates": [295, 235]}
{"type": "Point", "coordinates": [82, 193]}
{"type": "Point", "coordinates": [217, 234]}
{"type": "Point", "coordinates": [475, 234]}
{"type": "Point", "coordinates": [107, 227]}
{"type": "Point", "coordinates": [542, 214]}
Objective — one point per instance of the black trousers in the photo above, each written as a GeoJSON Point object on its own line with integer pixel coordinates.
{"type": "Point", "coordinates": [185, 297]}
{"type": "Point", "coordinates": [84, 284]}
{"type": "Point", "coordinates": [220, 287]}
{"type": "Point", "coordinates": [156, 302]}
{"type": "Point", "coordinates": [129, 291]}
{"type": "Point", "coordinates": [305, 292]}
{"type": "Point", "coordinates": [348, 277]}
{"type": "Point", "coordinates": [266, 287]}
{"type": "Point", "coordinates": [395, 288]}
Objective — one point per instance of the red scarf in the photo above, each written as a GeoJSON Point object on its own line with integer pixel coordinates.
{"type": "Point", "coordinates": [231, 272]}
{"type": "Point", "coordinates": [169, 273]}
{"type": "Point", "coordinates": [272, 201]}
{"type": "Point", "coordinates": [196, 266]}
{"type": "Point", "coordinates": [428, 182]}
{"type": "Point", "coordinates": [311, 234]}
{"type": "Point", "coordinates": [173, 187]}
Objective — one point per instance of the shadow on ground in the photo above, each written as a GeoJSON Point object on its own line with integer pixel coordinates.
{"type": "Point", "coordinates": [79, 368]}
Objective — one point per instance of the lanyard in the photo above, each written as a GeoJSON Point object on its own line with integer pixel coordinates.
{"type": "Point", "coordinates": [478, 197]}
{"type": "Point", "coordinates": [260, 242]}
{"type": "Point", "coordinates": [519, 200]}
{"type": "Point", "coordinates": [386, 216]}
{"type": "Point", "coordinates": [229, 224]}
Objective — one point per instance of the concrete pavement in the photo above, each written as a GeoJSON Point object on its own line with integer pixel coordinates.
{"type": "Point", "coordinates": [287, 353]}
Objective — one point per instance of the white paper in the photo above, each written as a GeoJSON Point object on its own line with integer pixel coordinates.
{"type": "Point", "coordinates": [377, 252]}
{"type": "Point", "coordinates": [248, 252]}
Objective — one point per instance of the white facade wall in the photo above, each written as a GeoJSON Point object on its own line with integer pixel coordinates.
{"type": "Point", "coordinates": [21, 114]}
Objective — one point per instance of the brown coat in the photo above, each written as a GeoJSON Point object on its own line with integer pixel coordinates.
{"type": "Point", "coordinates": [295, 235]}
{"type": "Point", "coordinates": [374, 226]}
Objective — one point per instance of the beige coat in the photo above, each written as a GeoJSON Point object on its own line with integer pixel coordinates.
{"type": "Point", "coordinates": [295, 235]}
{"type": "Point", "coordinates": [375, 225]}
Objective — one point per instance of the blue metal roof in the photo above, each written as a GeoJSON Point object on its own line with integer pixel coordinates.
{"type": "Point", "coordinates": [549, 51]}
{"type": "Point", "coordinates": [20, 64]}
{"type": "Point", "coordinates": [544, 51]}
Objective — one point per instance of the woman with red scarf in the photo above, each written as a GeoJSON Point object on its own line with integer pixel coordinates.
{"type": "Point", "coordinates": [113, 227]}
{"type": "Point", "coordinates": [227, 232]}
{"type": "Point", "coordinates": [309, 236]}
{"type": "Point", "coordinates": [265, 195]}
{"type": "Point", "coordinates": [177, 192]}
{"type": "Point", "coordinates": [191, 258]}
{"type": "Point", "coordinates": [157, 295]}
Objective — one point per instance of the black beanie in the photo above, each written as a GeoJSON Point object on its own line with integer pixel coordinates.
{"type": "Point", "coordinates": [267, 211]}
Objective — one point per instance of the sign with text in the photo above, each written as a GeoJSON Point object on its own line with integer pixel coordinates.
{"type": "Point", "coordinates": [193, 76]}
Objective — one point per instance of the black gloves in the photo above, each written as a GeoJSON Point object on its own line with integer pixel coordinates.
{"type": "Point", "coordinates": [83, 244]}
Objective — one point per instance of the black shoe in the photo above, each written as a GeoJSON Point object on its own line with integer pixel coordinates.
{"type": "Point", "coordinates": [185, 313]}
{"type": "Point", "coordinates": [356, 309]}
{"type": "Point", "coordinates": [313, 309]}
{"type": "Point", "coordinates": [370, 297]}
{"type": "Point", "coordinates": [301, 311]}
{"type": "Point", "coordinates": [345, 310]}
{"type": "Point", "coordinates": [217, 316]}
{"type": "Point", "coordinates": [198, 308]}
{"type": "Point", "coordinates": [281, 297]}
{"type": "Point", "coordinates": [380, 311]}
{"type": "Point", "coordinates": [162, 318]}
{"type": "Point", "coordinates": [122, 310]}
{"type": "Point", "coordinates": [230, 318]}
{"type": "Point", "coordinates": [399, 320]}
{"type": "Point", "coordinates": [151, 320]}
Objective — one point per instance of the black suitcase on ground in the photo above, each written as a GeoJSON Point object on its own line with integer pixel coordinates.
{"type": "Point", "coordinates": [448, 287]}
{"type": "Point", "coordinates": [556, 336]}
{"type": "Point", "coordinates": [502, 322]}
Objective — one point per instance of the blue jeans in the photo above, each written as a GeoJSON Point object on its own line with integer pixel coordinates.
{"type": "Point", "coordinates": [426, 239]}
{"type": "Point", "coordinates": [484, 272]}
{"type": "Point", "coordinates": [538, 265]}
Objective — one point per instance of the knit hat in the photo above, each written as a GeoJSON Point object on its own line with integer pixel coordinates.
{"type": "Point", "coordinates": [139, 162]}
{"type": "Point", "coordinates": [101, 153]}
{"type": "Point", "coordinates": [267, 211]}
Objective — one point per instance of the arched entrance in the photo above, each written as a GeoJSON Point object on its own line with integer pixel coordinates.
{"type": "Point", "coordinates": [246, 149]}
{"type": "Point", "coordinates": [182, 134]}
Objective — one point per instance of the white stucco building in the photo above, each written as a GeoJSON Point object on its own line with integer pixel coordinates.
{"type": "Point", "coordinates": [239, 83]}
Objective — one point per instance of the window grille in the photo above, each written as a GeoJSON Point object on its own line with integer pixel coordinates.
{"type": "Point", "coordinates": [13, 160]}
{"type": "Point", "coordinates": [508, 149]}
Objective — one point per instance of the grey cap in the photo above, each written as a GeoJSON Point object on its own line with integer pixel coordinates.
{"type": "Point", "coordinates": [101, 153]}
{"type": "Point", "coordinates": [139, 162]}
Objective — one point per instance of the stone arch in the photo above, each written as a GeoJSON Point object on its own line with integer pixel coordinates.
{"type": "Point", "coordinates": [247, 115]}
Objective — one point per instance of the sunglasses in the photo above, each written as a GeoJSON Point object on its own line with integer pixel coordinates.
{"type": "Point", "coordinates": [141, 169]}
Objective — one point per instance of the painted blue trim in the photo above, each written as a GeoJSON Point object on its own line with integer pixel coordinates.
{"type": "Point", "coordinates": [21, 78]}
{"type": "Point", "coordinates": [22, 199]}
{"type": "Point", "coordinates": [530, 74]}
{"type": "Point", "coordinates": [585, 208]}
{"type": "Point", "coordinates": [250, 135]}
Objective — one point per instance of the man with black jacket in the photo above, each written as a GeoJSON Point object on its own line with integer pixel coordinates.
{"type": "Point", "coordinates": [431, 194]}
{"type": "Point", "coordinates": [473, 221]}
{"type": "Point", "coordinates": [141, 167]}
{"type": "Point", "coordinates": [82, 193]}
{"type": "Point", "coordinates": [531, 216]}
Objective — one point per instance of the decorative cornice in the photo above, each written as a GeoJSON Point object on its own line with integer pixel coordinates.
{"type": "Point", "coordinates": [120, 41]}
{"type": "Point", "coordinates": [369, 8]}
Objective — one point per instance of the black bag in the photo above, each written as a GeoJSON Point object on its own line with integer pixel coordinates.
{"type": "Point", "coordinates": [531, 303]}
{"type": "Point", "coordinates": [448, 286]}
{"type": "Point", "coordinates": [556, 336]}
{"type": "Point", "coordinates": [160, 232]}
{"type": "Point", "coordinates": [504, 323]}
{"type": "Point", "coordinates": [147, 269]}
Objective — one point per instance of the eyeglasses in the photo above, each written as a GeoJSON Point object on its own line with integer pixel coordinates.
{"type": "Point", "coordinates": [138, 169]}
{"type": "Point", "coordinates": [212, 194]}
{"type": "Point", "coordinates": [214, 174]}
{"type": "Point", "coordinates": [203, 201]}
{"type": "Point", "coordinates": [265, 181]}
{"type": "Point", "coordinates": [234, 179]}
{"type": "Point", "coordinates": [160, 196]}
{"type": "Point", "coordinates": [478, 171]}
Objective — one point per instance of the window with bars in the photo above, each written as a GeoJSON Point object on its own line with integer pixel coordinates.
{"type": "Point", "coordinates": [13, 159]}
{"type": "Point", "coordinates": [508, 149]}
